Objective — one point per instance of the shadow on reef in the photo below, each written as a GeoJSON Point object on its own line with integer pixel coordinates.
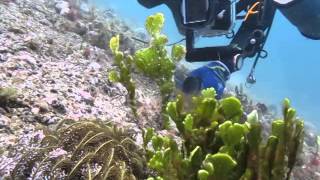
{"type": "Point", "coordinates": [8, 99]}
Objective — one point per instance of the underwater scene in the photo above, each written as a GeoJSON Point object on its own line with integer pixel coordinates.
{"type": "Point", "coordinates": [159, 89]}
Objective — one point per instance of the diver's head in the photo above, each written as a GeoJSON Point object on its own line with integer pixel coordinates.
{"type": "Point", "coordinates": [191, 85]}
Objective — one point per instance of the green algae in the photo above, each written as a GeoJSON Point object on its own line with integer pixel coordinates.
{"type": "Point", "coordinates": [216, 146]}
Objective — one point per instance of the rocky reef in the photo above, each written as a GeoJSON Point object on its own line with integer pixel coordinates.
{"type": "Point", "coordinates": [54, 66]}
{"type": "Point", "coordinates": [61, 73]}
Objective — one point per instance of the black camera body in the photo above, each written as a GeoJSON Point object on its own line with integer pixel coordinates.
{"type": "Point", "coordinates": [208, 17]}
{"type": "Point", "coordinates": [204, 17]}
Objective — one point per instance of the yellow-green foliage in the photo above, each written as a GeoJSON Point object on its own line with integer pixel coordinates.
{"type": "Point", "coordinates": [216, 146]}
{"type": "Point", "coordinates": [94, 150]}
{"type": "Point", "coordinates": [154, 61]}
{"type": "Point", "coordinates": [124, 63]}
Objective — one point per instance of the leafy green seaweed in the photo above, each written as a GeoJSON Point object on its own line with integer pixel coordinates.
{"type": "Point", "coordinates": [153, 61]}
{"type": "Point", "coordinates": [216, 146]}
{"type": "Point", "coordinates": [124, 64]}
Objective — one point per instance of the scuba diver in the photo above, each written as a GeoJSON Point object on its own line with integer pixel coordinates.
{"type": "Point", "coordinates": [212, 18]}
{"type": "Point", "coordinates": [214, 74]}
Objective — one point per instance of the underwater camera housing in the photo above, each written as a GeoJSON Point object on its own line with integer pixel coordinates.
{"type": "Point", "coordinates": [208, 17]}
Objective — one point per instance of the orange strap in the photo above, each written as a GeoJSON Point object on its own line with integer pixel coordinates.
{"type": "Point", "coordinates": [252, 10]}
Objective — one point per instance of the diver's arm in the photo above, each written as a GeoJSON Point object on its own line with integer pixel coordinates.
{"type": "Point", "coordinates": [304, 14]}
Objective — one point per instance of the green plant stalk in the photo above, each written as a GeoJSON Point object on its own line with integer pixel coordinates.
{"type": "Point", "coordinates": [267, 155]}
{"type": "Point", "coordinates": [248, 175]}
{"type": "Point", "coordinates": [296, 146]}
{"type": "Point", "coordinates": [124, 63]}
{"type": "Point", "coordinates": [254, 138]}
{"type": "Point", "coordinates": [279, 163]}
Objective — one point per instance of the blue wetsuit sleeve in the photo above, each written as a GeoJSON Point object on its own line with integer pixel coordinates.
{"type": "Point", "coordinates": [209, 79]}
{"type": "Point", "coordinates": [197, 72]}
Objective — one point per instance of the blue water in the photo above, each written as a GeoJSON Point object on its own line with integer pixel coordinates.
{"type": "Point", "coordinates": [291, 70]}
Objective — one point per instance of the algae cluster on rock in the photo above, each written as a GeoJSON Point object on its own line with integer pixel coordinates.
{"type": "Point", "coordinates": [153, 61]}
{"type": "Point", "coordinates": [217, 146]}
{"type": "Point", "coordinates": [125, 65]}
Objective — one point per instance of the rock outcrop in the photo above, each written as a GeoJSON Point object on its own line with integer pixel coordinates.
{"type": "Point", "coordinates": [59, 68]}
